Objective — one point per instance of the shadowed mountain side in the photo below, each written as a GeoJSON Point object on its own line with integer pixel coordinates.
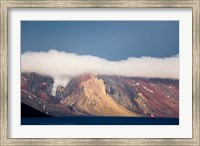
{"type": "Point", "coordinates": [29, 112]}
{"type": "Point", "coordinates": [43, 106]}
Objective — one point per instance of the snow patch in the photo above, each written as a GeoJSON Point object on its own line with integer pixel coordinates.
{"type": "Point", "coordinates": [60, 80]}
{"type": "Point", "coordinates": [148, 89]}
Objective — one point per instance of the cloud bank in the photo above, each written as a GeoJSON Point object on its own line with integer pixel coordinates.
{"type": "Point", "coordinates": [55, 63]}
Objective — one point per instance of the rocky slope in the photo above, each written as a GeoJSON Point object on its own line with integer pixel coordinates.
{"type": "Point", "coordinates": [102, 95]}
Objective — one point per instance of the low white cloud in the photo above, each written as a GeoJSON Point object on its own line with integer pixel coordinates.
{"type": "Point", "coordinates": [54, 63]}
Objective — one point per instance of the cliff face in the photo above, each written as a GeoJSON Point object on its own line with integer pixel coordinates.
{"type": "Point", "coordinates": [93, 100]}
{"type": "Point", "coordinates": [102, 95]}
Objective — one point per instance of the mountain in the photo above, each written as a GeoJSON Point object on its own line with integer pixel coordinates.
{"type": "Point", "coordinates": [100, 95]}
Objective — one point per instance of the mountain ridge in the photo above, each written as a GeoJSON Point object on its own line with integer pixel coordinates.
{"type": "Point", "coordinates": [103, 95]}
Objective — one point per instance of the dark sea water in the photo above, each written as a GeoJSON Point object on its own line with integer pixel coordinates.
{"type": "Point", "coordinates": [98, 121]}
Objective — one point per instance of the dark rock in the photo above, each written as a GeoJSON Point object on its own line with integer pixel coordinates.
{"type": "Point", "coordinates": [37, 84]}
{"type": "Point", "coordinates": [60, 93]}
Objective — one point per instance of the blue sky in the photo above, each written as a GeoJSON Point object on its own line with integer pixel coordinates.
{"type": "Point", "coordinates": [112, 40]}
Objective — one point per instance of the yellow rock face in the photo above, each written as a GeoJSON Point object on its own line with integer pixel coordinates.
{"type": "Point", "coordinates": [93, 100]}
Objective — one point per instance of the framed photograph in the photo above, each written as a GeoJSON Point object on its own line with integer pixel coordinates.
{"type": "Point", "coordinates": [100, 72]}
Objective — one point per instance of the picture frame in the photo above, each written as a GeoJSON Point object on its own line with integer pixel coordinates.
{"type": "Point", "coordinates": [4, 92]}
